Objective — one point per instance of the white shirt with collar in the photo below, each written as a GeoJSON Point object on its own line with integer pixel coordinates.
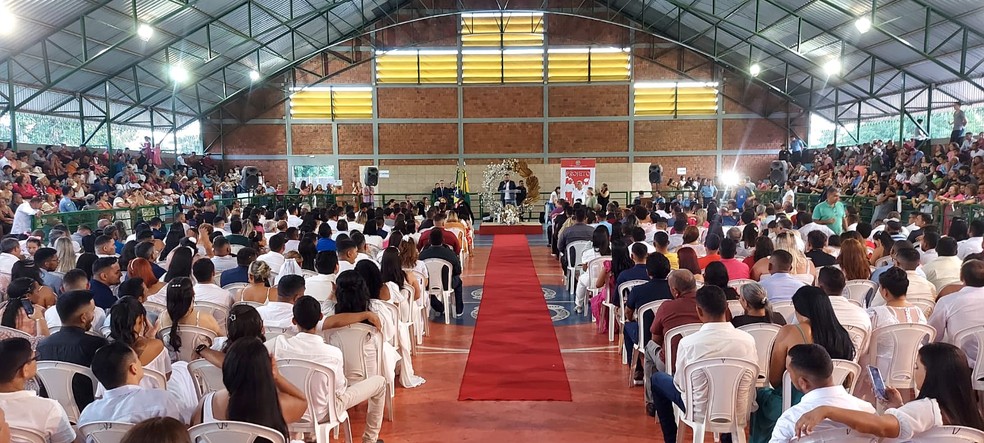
{"type": "Point", "coordinates": [134, 404]}
{"type": "Point", "coordinates": [310, 347]}
{"type": "Point", "coordinates": [969, 246]}
{"type": "Point", "coordinates": [320, 286]}
{"type": "Point", "coordinates": [277, 314]}
{"type": "Point", "coordinates": [943, 271]}
{"type": "Point", "coordinates": [274, 259]}
{"type": "Point", "coordinates": [780, 286]}
{"type": "Point", "coordinates": [99, 319]}
{"type": "Point", "coordinates": [958, 311]}
{"type": "Point", "coordinates": [919, 288]}
{"type": "Point", "coordinates": [806, 229]}
{"type": "Point", "coordinates": [224, 263]}
{"type": "Point", "coordinates": [927, 256]}
{"type": "Point", "coordinates": [22, 219]}
{"type": "Point", "coordinates": [24, 409]}
{"type": "Point", "coordinates": [293, 221]}
{"type": "Point", "coordinates": [649, 247]}
{"type": "Point", "coordinates": [713, 340]}
{"type": "Point", "coordinates": [213, 293]}
{"type": "Point", "coordinates": [848, 313]}
{"type": "Point", "coordinates": [785, 430]}
{"type": "Point", "coordinates": [7, 261]}
{"type": "Point", "coordinates": [346, 266]}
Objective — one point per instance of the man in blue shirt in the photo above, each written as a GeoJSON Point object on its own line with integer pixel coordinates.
{"type": "Point", "coordinates": [239, 274]}
{"type": "Point", "coordinates": [66, 204]}
{"type": "Point", "coordinates": [639, 252]}
{"type": "Point", "coordinates": [796, 147]}
{"type": "Point", "coordinates": [657, 267]}
{"type": "Point", "coordinates": [105, 274]}
{"type": "Point", "coordinates": [47, 261]}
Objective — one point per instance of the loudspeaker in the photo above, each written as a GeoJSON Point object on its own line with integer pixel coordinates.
{"type": "Point", "coordinates": [372, 176]}
{"type": "Point", "coordinates": [655, 175]}
{"type": "Point", "coordinates": [777, 172]}
{"type": "Point", "coordinates": [250, 178]}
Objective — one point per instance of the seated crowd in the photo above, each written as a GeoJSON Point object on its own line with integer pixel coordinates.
{"type": "Point", "coordinates": [831, 290]}
{"type": "Point", "coordinates": [245, 290]}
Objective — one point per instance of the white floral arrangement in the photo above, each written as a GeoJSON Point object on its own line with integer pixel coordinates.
{"type": "Point", "coordinates": [510, 215]}
{"type": "Point", "coordinates": [490, 196]}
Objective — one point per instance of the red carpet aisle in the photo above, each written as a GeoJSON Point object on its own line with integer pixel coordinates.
{"type": "Point", "coordinates": [514, 353]}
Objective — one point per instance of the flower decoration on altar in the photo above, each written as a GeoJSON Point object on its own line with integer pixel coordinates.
{"type": "Point", "coordinates": [494, 173]}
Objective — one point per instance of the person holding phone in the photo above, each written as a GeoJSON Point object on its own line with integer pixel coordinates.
{"type": "Point", "coordinates": [20, 313]}
{"type": "Point", "coordinates": [946, 397]}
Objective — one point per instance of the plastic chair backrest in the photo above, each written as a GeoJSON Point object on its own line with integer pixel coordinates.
{"type": "Point", "coordinates": [668, 339]}
{"type": "Point", "coordinates": [27, 435]}
{"type": "Point", "coordinates": [439, 275]}
{"type": "Point", "coordinates": [191, 336]}
{"type": "Point", "coordinates": [235, 289]}
{"type": "Point", "coordinates": [575, 250]}
{"type": "Point", "coordinates": [154, 307]}
{"type": "Point", "coordinates": [104, 431]}
{"type": "Point", "coordinates": [272, 332]}
{"type": "Point", "coordinates": [950, 434]}
{"type": "Point", "coordinates": [739, 282]}
{"type": "Point", "coordinates": [311, 378]}
{"type": "Point", "coordinates": [735, 307]}
{"type": "Point", "coordinates": [973, 338]}
{"type": "Point", "coordinates": [846, 373]}
{"type": "Point", "coordinates": [859, 291]}
{"type": "Point", "coordinates": [206, 377]}
{"type": "Point", "coordinates": [785, 309]}
{"type": "Point", "coordinates": [406, 306]}
{"type": "Point", "coordinates": [648, 308]}
{"type": "Point", "coordinates": [924, 304]}
{"type": "Point", "coordinates": [839, 435]}
{"type": "Point", "coordinates": [904, 339]}
{"type": "Point", "coordinates": [595, 267]}
{"type": "Point", "coordinates": [859, 337]}
{"type": "Point", "coordinates": [219, 312]}
{"type": "Point", "coordinates": [724, 403]}
{"type": "Point", "coordinates": [625, 288]}
{"type": "Point", "coordinates": [17, 333]}
{"type": "Point", "coordinates": [389, 328]}
{"type": "Point", "coordinates": [362, 350]}
{"type": "Point", "coordinates": [158, 379]}
{"type": "Point", "coordinates": [765, 336]}
{"type": "Point", "coordinates": [57, 376]}
{"type": "Point", "coordinates": [805, 278]}
{"type": "Point", "coordinates": [233, 432]}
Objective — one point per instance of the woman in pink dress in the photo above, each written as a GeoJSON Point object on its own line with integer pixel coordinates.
{"type": "Point", "coordinates": [607, 282]}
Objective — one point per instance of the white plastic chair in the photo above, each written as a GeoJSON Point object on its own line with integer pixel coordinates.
{"type": "Point", "coordinates": [739, 282]}
{"type": "Point", "coordinates": [905, 339]}
{"type": "Point", "coordinates": [272, 332]}
{"type": "Point", "coordinates": [595, 268]}
{"type": "Point", "coordinates": [17, 333]}
{"type": "Point", "coordinates": [669, 336]}
{"type": "Point", "coordinates": [439, 283]}
{"type": "Point", "coordinates": [206, 377]}
{"type": "Point", "coordinates": [924, 304]}
{"type": "Point", "coordinates": [966, 339]}
{"type": "Point", "coordinates": [735, 307]}
{"type": "Point", "coordinates": [845, 373]}
{"type": "Point", "coordinates": [765, 336]}
{"type": "Point", "coordinates": [785, 309]}
{"type": "Point", "coordinates": [57, 376]}
{"type": "Point", "coordinates": [839, 435]}
{"type": "Point", "coordinates": [859, 291]}
{"type": "Point", "coordinates": [353, 340]}
{"type": "Point", "coordinates": [219, 312]}
{"type": "Point", "coordinates": [104, 431]}
{"type": "Point", "coordinates": [27, 435]}
{"type": "Point", "coordinates": [313, 378]}
{"type": "Point", "coordinates": [158, 379]}
{"type": "Point", "coordinates": [860, 338]}
{"type": "Point", "coordinates": [572, 255]}
{"type": "Point", "coordinates": [233, 432]}
{"type": "Point", "coordinates": [643, 338]}
{"type": "Point", "coordinates": [191, 336]}
{"type": "Point", "coordinates": [613, 310]}
{"type": "Point", "coordinates": [235, 289]}
{"type": "Point", "coordinates": [406, 311]}
{"type": "Point", "coordinates": [725, 410]}
{"type": "Point", "coordinates": [950, 434]}
{"type": "Point", "coordinates": [805, 278]}
{"type": "Point", "coordinates": [462, 242]}
{"type": "Point", "coordinates": [155, 308]}
{"type": "Point", "coordinates": [421, 327]}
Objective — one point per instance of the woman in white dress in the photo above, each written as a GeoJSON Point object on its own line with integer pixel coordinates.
{"type": "Point", "coordinates": [893, 284]}
{"type": "Point", "coordinates": [128, 324]}
{"type": "Point", "coordinates": [385, 299]}
{"type": "Point", "coordinates": [396, 279]}
{"type": "Point", "coordinates": [946, 397]}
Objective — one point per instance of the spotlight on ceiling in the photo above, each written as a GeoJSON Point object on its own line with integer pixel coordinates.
{"type": "Point", "coordinates": [254, 75]}
{"type": "Point", "coordinates": [179, 74]}
{"type": "Point", "coordinates": [755, 70]}
{"type": "Point", "coordinates": [863, 24]}
{"type": "Point", "coordinates": [832, 67]}
{"type": "Point", "coordinates": [7, 21]}
{"type": "Point", "coordinates": [145, 32]}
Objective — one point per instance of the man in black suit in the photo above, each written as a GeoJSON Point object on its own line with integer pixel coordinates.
{"type": "Point", "coordinates": [507, 185]}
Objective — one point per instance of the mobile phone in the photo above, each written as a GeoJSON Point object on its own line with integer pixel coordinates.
{"type": "Point", "coordinates": [878, 383]}
{"type": "Point", "coordinates": [28, 306]}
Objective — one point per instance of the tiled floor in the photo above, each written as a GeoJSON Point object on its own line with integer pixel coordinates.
{"type": "Point", "coordinates": [604, 407]}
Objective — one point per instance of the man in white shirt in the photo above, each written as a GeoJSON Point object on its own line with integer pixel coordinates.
{"type": "Point", "coordinates": [808, 226]}
{"type": "Point", "coordinates": [10, 253]}
{"type": "Point", "coordinates": [780, 285]}
{"type": "Point", "coordinates": [716, 338]}
{"type": "Point", "coordinates": [322, 286]}
{"type": "Point", "coordinates": [117, 367]}
{"type": "Point", "coordinates": [75, 280]}
{"type": "Point", "coordinates": [919, 287]}
{"type": "Point", "coordinates": [206, 290]}
{"type": "Point", "coordinates": [24, 408]}
{"type": "Point", "coordinates": [946, 268]}
{"type": "Point", "coordinates": [280, 313]}
{"type": "Point", "coordinates": [811, 371]}
{"type": "Point", "coordinates": [832, 282]}
{"type": "Point", "coordinates": [293, 220]}
{"type": "Point", "coordinates": [223, 260]}
{"type": "Point", "coordinates": [23, 216]}
{"type": "Point", "coordinates": [962, 309]}
{"type": "Point", "coordinates": [973, 244]}
{"type": "Point", "coordinates": [927, 249]}
{"type": "Point", "coordinates": [308, 345]}
{"type": "Point", "coordinates": [275, 258]}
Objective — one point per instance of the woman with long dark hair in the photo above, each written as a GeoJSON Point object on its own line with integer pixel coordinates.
{"type": "Point", "coordinates": [128, 324]}
{"type": "Point", "coordinates": [946, 397]}
{"type": "Point", "coordinates": [716, 274]}
{"type": "Point", "coordinates": [244, 321]}
{"type": "Point", "coordinates": [394, 278]}
{"type": "Point", "coordinates": [600, 247]}
{"type": "Point", "coordinates": [688, 260]}
{"type": "Point", "coordinates": [391, 270]}
{"type": "Point", "coordinates": [174, 235]}
{"type": "Point", "coordinates": [181, 311]}
{"type": "Point", "coordinates": [817, 324]}
{"type": "Point", "coordinates": [308, 249]}
{"type": "Point", "coordinates": [41, 295]}
{"type": "Point", "coordinates": [20, 313]}
{"type": "Point", "coordinates": [606, 281]}
{"type": "Point", "coordinates": [763, 249]}
{"type": "Point", "coordinates": [255, 392]}
{"type": "Point", "coordinates": [180, 264]}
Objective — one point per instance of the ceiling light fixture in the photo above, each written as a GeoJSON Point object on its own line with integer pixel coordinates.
{"type": "Point", "coordinates": [179, 74]}
{"type": "Point", "coordinates": [145, 32]}
{"type": "Point", "coordinates": [863, 24]}
{"type": "Point", "coordinates": [254, 75]}
{"type": "Point", "coordinates": [832, 67]}
{"type": "Point", "coordinates": [7, 21]}
{"type": "Point", "coordinates": [755, 70]}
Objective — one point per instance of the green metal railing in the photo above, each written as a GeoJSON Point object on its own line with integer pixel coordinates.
{"type": "Point", "coordinates": [129, 216]}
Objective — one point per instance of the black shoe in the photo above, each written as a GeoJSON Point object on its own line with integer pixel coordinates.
{"type": "Point", "coordinates": [650, 409]}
